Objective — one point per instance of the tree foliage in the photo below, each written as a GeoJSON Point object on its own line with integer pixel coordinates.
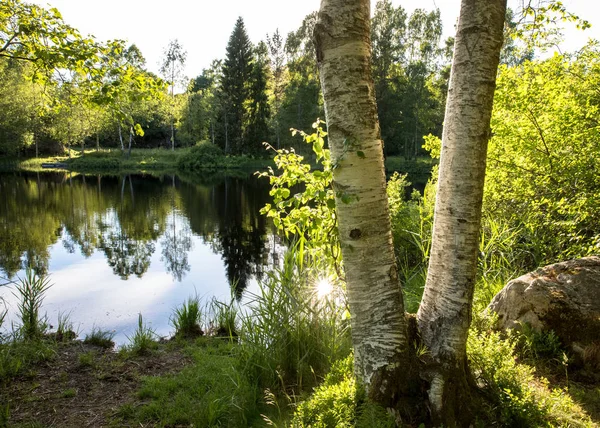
{"type": "Point", "coordinates": [543, 163]}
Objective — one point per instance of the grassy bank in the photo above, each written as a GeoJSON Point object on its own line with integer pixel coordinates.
{"type": "Point", "coordinates": [285, 363]}
{"type": "Point", "coordinates": [162, 161]}
{"type": "Point", "coordinates": [157, 161]}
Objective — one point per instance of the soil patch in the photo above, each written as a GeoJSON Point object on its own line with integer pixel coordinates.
{"type": "Point", "coordinates": [84, 385]}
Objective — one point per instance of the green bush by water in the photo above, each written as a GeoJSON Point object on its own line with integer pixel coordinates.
{"type": "Point", "coordinates": [205, 156]}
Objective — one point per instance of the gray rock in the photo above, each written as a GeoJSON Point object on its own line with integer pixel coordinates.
{"type": "Point", "coordinates": [563, 297]}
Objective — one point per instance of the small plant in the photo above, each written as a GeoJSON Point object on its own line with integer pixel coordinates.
{"type": "Point", "coordinates": [224, 319]}
{"type": "Point", "coordinates": [518, 397]}
{"type": "Point", "coordinates": [3, 313]}
{"type": "Point", "coordinates": [534, 344]}
{"type": "Point", "coordinates": [30, 291]}
{"type": "Point", "coordinates": [69, 393]}
{"type": "Point", "coordinates": [87, 359]}
{"type": "Point", "coordinates": [143, 339]}
{"type": "Point", "coordinates": [64, 329]}
{"type": "Point", "coordinates": [99, 337]}
{"type": "Point", "coordinates": [187, 319]}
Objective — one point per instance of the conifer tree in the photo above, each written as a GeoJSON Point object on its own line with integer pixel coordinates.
{"type": "Point", "coordinates": [259, 110]}
{"type": "Point", "coordinates": [237, 70]}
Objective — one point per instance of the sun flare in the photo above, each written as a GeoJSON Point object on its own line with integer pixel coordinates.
{"type": "Point", "coordinates": [324, 288]}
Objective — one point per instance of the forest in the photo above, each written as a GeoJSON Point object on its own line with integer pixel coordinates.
{"type": "Point", "coordinates": [387, 300]}
{"type": "Point", "coordinates": [104, 95]}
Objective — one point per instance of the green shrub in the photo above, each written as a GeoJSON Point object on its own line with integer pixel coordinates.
{"type": "Point", "coordinates": [337, 402]}
{"type": "Point", "coordinates": [204, 155]}
{"type": "Point", "coordinates": [542, 159]}
{"type": "Point", "coordinates": [518, 398]}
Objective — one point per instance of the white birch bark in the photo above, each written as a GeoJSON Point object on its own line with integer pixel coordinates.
{"type": "Point", "coordinates": [445, 312]}
{"type": "Point", "coordinates": [121, 139]}
{"type": "Point", "coordinates": [379, 332]}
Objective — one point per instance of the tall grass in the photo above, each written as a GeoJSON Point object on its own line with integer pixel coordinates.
{"type": "Point", "coordinates": [224, 322]}
{"type": "Point", "coordinates": [30, 291]}
{"type": "Point", "coordinates": [290, 337]}
{"type": "Point", "coordinates": [143, 339]}
{"type": "Point", "coordinates": [187, 318]}
{"type": "Point", "coordinates": [65, 328]}
{"type": "Point", "coordinates": [99, 337]}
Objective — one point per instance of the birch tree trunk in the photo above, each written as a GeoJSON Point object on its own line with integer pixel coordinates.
{"type": "Point", "coordinates": [379, 326]}
{"type": "Point", "coordinates": [445, 312]}
{"type": "Point", "coordinates": [121, 139]}
{"type": "Point", "coordinates": [130, 141]}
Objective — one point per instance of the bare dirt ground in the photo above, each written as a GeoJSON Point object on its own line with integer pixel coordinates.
{"type": "Point", "coordinates": [82, 386]}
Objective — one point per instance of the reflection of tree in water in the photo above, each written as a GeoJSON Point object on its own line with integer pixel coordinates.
{"type": "Point", "coordinates": [243, 252]}
{"type": "Point", "coordinates": [177, 240]}
{"type": "Point", "coordinates": [128, 236]}
{"type": "Point", "coordinates": [176, 244]}
{"type": "Point", "coordinates": [227, 216]}
{"type": "Point", "coordinates": [124, 217]}
{"type": "Point", "coordinates": [126, 256]}
{"type": "Point", "coordinates": [28, 226]}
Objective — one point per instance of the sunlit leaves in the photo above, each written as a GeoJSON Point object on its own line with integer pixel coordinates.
{"type": "Point", "coordinates": [543, 157]}
{"type": "Point", "coordinates": [303, 198]}
{"type": "Point", "coordinates": [538, 23]}
{"type": "Point", "coordinates": [34, 34]}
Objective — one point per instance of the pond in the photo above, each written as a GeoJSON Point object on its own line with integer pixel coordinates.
{"type": "Point", "coordinates": [117, 246]}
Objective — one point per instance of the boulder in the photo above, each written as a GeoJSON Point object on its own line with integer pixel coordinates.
{"type": "Point", "coordinates": [563, 297]}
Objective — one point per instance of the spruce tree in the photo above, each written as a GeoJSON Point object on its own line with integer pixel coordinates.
{"type": "Point", "coordinates": [259, 111]}
{"type": "Point", "coordinates": [237, 70]}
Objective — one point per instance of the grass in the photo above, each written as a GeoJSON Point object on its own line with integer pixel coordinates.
{"type": "Point", "coordinates": [30, 291]}
{"type": "Point", "coordinates": [99, 337]}
{"type": "Point", "coordinates": [224, 318]}
{"type": "Point", "coordinates": [290, 337]}
{"type": "Point", "coordinates": [156, 161]}
{"type": "Point", "coordinates": [19, 356]}
{"type": "Point", "coordinates": [87, 359]}
{"type": "Point", "coordinates": [69, 393]}
{"type": "Point", "coordinates": [212, 391]}
{"type": "Point", "coordinates": [187, 318]}
{"type": "Point", "coordinates": [65, 329]}
{"type": "Point", "coordinates": [143, 339]}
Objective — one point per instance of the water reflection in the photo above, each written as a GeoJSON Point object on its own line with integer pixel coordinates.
{"type": "Point", "coordinates": [136, 225]}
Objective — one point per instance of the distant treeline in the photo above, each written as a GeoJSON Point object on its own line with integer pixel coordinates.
{"type": "Point", "coordinates": [79, 92]}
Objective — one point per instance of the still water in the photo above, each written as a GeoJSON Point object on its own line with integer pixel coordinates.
{"type": "Point", "coordinates": [117, 246]}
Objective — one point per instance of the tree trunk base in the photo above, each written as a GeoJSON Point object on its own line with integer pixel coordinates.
{"type": "Point", "coordinates": [409, 389]}
{"type": "Point", "coordinates": [400, 386]}
{"type": "Point", "coordinates": [453, 396]}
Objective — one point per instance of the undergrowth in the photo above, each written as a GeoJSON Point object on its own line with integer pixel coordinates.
{"type": "Point", "coordinates": [212, 391]}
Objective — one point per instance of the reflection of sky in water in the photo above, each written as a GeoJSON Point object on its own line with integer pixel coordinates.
{"type": "Point", "coordinates": [95, 295]}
